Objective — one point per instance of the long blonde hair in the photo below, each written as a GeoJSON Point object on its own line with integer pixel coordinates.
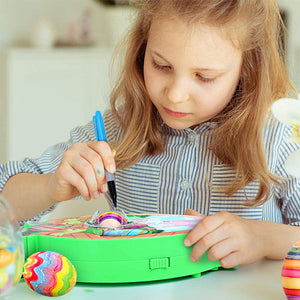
{"type": "Point", "coordinates": [255, 27]}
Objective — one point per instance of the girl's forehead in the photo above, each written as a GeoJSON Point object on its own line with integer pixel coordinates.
{"type": "Point", "coordinates": [169, 26]}
{"type": "Point", "coordinates": [171, 31]}
{"type": "Point", "coordinates": [196, 46]}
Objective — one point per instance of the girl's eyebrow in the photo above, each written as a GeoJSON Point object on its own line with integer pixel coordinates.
{"type": "Point", "coordinates": [160, 56]}
{"type": "Point", "coordinates": [208, 70]}
{"type": "Point", "coordinates": [219, 71]}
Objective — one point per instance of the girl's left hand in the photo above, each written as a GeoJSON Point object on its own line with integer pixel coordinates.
{"type": "Point", "coordinates": [231, 239]}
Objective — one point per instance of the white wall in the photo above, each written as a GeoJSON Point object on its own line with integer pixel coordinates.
{"type": "Point", "coordinates": [293, 56]}
{"type": "Point", "coordinates": [18, 18]}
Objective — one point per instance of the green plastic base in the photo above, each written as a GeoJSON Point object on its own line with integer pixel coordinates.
{"type": "Point", "coordinates": [124, 260]}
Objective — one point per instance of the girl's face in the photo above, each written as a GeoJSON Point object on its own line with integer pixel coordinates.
{"type": "Point", "coordinates": [191, 73]}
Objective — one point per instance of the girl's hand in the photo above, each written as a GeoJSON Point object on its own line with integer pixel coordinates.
{"type": "Point", "coordinates": [228, 238]}
{"type": "Point", "coordinates": [81, 172]}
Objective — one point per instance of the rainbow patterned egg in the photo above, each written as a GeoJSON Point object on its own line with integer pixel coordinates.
{"type": "Point", "coordinates": [290, 275]}
{"type": "Point", "coordinates": [49, 273]}
{"type": "Point", "coordinates": [109, 219]}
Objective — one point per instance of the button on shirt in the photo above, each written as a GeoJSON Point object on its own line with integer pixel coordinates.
{"type": "Point", "coordinates": [192, 137]}
{"type": "Point", "coordinates": [184, 185]}
{"type": "Point", "coordinates": [183, 175]}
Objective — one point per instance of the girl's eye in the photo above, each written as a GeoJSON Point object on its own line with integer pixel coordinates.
{"type": "Point", "coordinates": [160, 67]}
{"type": "Point", "coordinates": [205, 79]}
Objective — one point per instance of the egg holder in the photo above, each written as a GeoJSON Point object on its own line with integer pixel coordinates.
{"type": "Point", "coordinates": [150, 250]}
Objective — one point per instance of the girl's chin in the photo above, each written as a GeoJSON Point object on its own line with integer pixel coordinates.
{"type": "Point", "coordinates": [177, 125]}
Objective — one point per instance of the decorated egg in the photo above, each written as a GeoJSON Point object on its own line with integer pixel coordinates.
{"type": "Point", "coordinates": [109, 219]}
{"type": "Point", "coordinates": [11, 249]}
{"type": "Point", "coordinates": [49, 273]}
{"type": "Point", "coordinates": [290, 275]}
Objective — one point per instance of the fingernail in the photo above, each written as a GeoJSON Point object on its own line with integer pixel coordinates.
{"type": "Point", "coordinates": [193, 259]}
{"type": "Point", "coordinates": [113, 151]}
{"type": "Point", "coordinates": [187, 242]}
{"type": "Point", "coordinates": [103, 188]}
{"type": "Point", "coordinates": [96, 195]}
{"type": "Point", "coordinates": [112, 169]}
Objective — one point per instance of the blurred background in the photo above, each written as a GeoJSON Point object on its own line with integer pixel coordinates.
{"type": "Point", "coordinates": [55, 58]}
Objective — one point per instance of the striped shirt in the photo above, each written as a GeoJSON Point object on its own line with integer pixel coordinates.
{"type": "Point", "coordinates": [186, 175]}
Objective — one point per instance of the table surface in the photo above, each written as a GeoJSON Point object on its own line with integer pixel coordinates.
{"type": "Point", "coordinates": [261, 280]}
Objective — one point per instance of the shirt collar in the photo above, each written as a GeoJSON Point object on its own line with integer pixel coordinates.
{"type": "Point", "coordinates": [201, 128]}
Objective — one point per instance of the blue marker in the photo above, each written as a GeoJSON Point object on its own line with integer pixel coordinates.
{"type": "Point", "coordinates": [101, 136]}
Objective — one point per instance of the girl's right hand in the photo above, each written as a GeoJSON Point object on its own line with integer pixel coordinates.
{"type": "Point", "coordinates": [81, 172]}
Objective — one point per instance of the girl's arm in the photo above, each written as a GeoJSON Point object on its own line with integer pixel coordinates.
{"type": "Point", "coordinates": [80, 172]}
{"type": "Point", "coordinates": [28, 194]}
{"type": "Point", "coordinates": [33, 185]}
{"type": "Point", "coordinates": [281, 238]}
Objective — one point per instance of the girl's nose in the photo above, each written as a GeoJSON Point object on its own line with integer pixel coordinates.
{"type": "Point", "coordinates": [178, 91]}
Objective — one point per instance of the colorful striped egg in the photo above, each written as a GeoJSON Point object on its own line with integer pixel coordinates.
{"type": "Point", "coordinates": [49, 273]}
{"type": "Point", "coordinates": [110, 219]}
{"type": "Point", "coordinates": [290, 275]}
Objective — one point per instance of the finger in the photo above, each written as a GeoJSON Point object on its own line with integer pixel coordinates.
{"type": "Point", "coordinates": [114, 152]}
{"type": "Point", "coordinates": [71, 177]}
{"type": "Point", "coordinates": [103, 188]}
{"type": "Point", "coordinates": [95, 160]}
{"type": "Point", "coordinates": [208, 224]}
{"type": "Point", "coordinates": [232, 260]}
{"type": "Point", "coordinates": [222, 249]}
{"type": "Point", "coordinates": [191, 212]}
{"type": "Point", "coordinates": [210, 241]}
{"type": "Point", "coordinates": [103, 149]}
{"type": "Point", "coordinates": [87, 173]}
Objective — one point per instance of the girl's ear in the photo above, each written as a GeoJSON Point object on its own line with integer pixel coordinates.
{"type": "Point", "coordinates": [191, 212]}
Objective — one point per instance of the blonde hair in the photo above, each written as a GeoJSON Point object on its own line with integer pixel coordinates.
{"type": "Point", "coordinates": [255, 27]}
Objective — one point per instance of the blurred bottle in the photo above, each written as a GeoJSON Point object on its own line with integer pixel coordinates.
{"type": "Point", "coordinates": [11, 249]}
{"type": "Point", "coordinates": [85, 27]}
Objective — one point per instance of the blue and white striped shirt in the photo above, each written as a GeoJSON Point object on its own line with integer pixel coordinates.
{"type": "Point", "coordinates": [183, 176]}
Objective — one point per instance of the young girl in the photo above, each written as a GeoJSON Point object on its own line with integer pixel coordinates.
{"type": "Point", "coordinates": [191, 126]}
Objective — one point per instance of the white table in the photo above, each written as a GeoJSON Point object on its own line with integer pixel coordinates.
{"type": "Point", "coordinates": [261, 280]}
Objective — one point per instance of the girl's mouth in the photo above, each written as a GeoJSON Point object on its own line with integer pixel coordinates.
{"type": "Point", "coordinates": [175, 114]}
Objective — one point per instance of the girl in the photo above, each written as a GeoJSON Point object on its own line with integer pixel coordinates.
{"type": "Point", "coordinates": [191, 127]}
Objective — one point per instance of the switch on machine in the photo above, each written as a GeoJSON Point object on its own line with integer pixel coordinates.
{"type": "Point", "coordinates": [159, 263]}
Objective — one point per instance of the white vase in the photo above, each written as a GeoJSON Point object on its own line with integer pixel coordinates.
{"type": "Point", "coordinates": [43, 34]}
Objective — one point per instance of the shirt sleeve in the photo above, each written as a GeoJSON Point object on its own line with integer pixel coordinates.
{"type": "Point", "coordinates": [289, 192]}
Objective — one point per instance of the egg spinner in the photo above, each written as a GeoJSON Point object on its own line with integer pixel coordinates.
{"type": "Point", "coordinates": [150, 249]}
